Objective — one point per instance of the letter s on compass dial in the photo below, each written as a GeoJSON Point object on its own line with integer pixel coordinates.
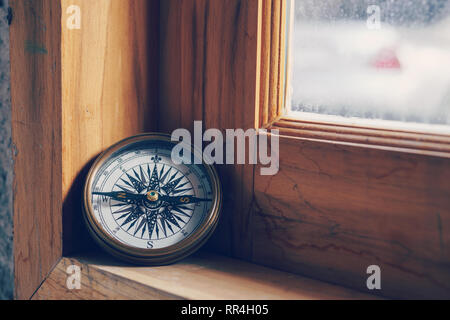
{"type": "Point", "coordinates": [143, 208]}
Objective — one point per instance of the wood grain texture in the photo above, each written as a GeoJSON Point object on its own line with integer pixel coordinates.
{"type": "Point", "coordinates": [266, 35]}
{"type": "Point", "coordinates": [334, 209]}
{"type": "Point", "coordinates": [96, 284]}
{"type": "Point", "coordinates": [282, 61]}
{"type": "Point", "coordinates": [423, 143]}
{"type": "Point", "coordinates": [203, 276]}
{"type": "Point", "coordinates": [273, 60]}
{"type": "Point", "coordinates": [210, 72]}
{"type": "Point", "coordinates": [274, 73]}
{"type": "Point", "coordinates": [36, 131]}
{"type": "Point", "coordinates": [110, 89]}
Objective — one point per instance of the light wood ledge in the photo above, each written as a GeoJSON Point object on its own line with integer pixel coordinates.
{"type": "Point", "coordinates": [203, 276]}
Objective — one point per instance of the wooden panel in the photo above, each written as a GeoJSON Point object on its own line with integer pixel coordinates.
{"type": "Point", "coordinates": [36, 132]}
{"type": "Point", "coordinates": [210, 71]}
{"type": "Point", "coordinates": [203, 276]}
{"type": "Point", "coordinates": [334, 209]}
{"type": "Point", "coordinates": [282, 60]}
{"type": "Point", "coordinates": [265, 62]}
{"type": "Point", "coordinates": [74, 92]}
{"type": "Point", "coordinates": [110, 89]}
{"type": "Point", "coordinates": [274, 73]}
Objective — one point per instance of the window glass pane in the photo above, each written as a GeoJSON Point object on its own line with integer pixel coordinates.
{"type": "Point", "coordinates": [373, 59]}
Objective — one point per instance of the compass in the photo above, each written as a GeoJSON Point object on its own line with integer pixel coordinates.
{"type": "Point", "coordinates": [143, 208]}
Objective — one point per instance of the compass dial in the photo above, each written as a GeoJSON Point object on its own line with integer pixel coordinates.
{"type": "Point", "coordinates": [142, 207]}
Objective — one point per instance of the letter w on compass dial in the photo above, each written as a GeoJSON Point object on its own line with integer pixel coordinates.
{"type": "Point", "coordinates": [155, 200]}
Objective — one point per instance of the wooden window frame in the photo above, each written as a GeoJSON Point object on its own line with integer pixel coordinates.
{"type": "Point", "coordinates": [275, 100]}
{"type": "Point", "coordinates": [393, 212]}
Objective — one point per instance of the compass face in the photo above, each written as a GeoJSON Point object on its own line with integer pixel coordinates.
{"type": "Point", "coordinates": [142, 206]}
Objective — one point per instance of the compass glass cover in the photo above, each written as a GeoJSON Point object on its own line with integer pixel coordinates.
{"type": "Point", "coordinates": [140, 198]}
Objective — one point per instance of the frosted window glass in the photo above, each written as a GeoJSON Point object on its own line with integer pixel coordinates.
{"type": "Point", "coordinates": [372, 59]}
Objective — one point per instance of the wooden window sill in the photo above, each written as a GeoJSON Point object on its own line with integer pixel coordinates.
{"type": "Point", "coordinates": [204, 276]}
{"type": "Point", "coordinates": [367, 134]}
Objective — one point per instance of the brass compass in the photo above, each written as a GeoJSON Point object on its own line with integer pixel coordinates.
{"type": "Point", "coordinates": [143, 208]}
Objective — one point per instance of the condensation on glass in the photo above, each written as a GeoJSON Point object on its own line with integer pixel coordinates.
{"type": "Point", "coordinates": [377, 59]}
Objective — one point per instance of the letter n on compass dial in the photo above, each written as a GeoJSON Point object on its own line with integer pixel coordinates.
{"type": "Point", "coordinates": [142, 207]}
